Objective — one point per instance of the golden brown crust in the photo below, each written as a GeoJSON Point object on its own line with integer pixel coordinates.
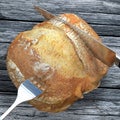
{"type": "Point", "coordinates": [48, 57]}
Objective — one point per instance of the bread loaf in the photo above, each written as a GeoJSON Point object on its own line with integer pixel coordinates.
{"type": "Point", "coordinates": [47, 55]}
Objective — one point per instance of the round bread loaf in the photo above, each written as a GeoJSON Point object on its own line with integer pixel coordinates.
{"type": "Point", "coordinates": [47, 55]}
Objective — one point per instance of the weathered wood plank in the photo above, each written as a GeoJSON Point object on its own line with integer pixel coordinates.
{"type": "Point", "coordinates": [30, 113]}
{"type": "Point", "coordinates": [80, 109]}
{"type": "Point", "coordinates": [94, 97]}
{"type": "Point", "coordinates": [6, 86]}
{"type": "Point", "coordinates": [5, 82]}
{"type": "Point", "coordinates": [2, 64]}
{"type": "Point", "coordinates": [100, 94]}
{"type": "Point", "coordinates": [24, 10]}
{"type": "Point", "coordinates": [111, 41]}
{"type": "Point", "coordinates": [9, 29]}
{"type": "Point", "coordinates": [61, 117]}
{"type": "Point", "coordinates": [107, 30]}
{"type": "Point", "coordinates": [112, 79]}
{"type": "Point", "coordinates": [3, 53]}
{"type": "Point", "coordinates": [4, 75]}
{"type": "Point", "coordinates": [100, 18]}
{"type": "Point", "coordinates": [3, 50]}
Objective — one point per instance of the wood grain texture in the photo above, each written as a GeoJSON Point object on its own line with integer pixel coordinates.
{"type": "Point", "coordinates": [10, 9]}
{"type": "Point", "coordinates": [90, 106]}
{"type": "Point", "coordinates": [103, 15]}
{"type": "Point", "coordinates": [9, 29]}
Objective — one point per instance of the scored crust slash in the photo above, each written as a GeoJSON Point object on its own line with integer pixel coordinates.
{"type": "Point", "coordinates": [58, 61]}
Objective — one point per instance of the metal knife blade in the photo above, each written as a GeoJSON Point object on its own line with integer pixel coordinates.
{"type": "Point", "coordinates": [100, 51]}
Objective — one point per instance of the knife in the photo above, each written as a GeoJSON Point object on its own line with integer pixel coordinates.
{"type": "Point", "coordinates": [100, 51]}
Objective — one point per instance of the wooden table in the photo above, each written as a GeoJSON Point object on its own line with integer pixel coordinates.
{"type": "Point", "coordinates": [104, 16]}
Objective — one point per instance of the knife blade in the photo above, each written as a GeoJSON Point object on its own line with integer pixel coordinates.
{"type": "Point", "coordinates": [100, 51]}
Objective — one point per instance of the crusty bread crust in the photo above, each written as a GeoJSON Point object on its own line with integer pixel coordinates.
{"type": "Point", "coordinates": [48, 56]}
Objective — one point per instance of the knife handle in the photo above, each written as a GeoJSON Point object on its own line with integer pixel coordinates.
{"type": "Point", "coordinates": [117, 61]}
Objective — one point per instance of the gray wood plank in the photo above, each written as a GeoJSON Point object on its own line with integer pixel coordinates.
{"type": "Point", "coordinates": [107, 30]}
{"type": "Point", "coordinates": [4, 75]}
{"type": "Point", "coordinates": [2, 65]}
{"type": "Point", "coordinates": [3, 53]}
{"type": "Point", "coordinates": [111, 41]}
{"type": "Point", "coordinates": [100, 18]}
{"type": "Point", "coordinates": [61, 117]}
{"type": "Point", "coordinates": [81, 109]}
{"type": "Point", "coordinates": [5, 82]}
{"type": "Point", "coordinates": [6, 86]}
{"type": "Point", "coordinates": [81, 8]}
{"type": "Point", "coordinates": [28, 113]}
{"type": "Point", "coordinates": [100, 94]}
{"type": "Point", "coordinates": [112, 79]}
{"type": "Point", "coordinates": [10, 9]}
{"type": "Point", "coordinates": [9, 29]}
